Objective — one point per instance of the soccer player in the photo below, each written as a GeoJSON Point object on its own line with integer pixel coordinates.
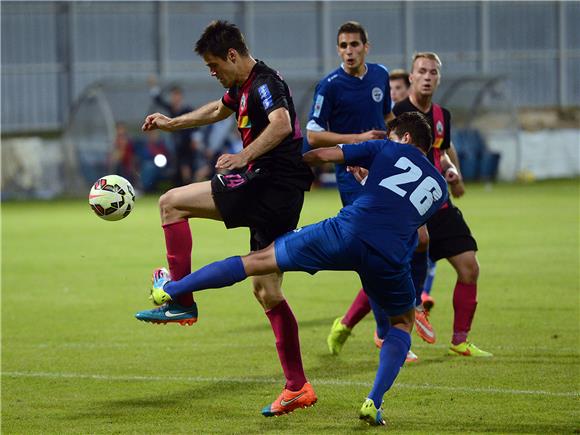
{"type": "Point", "coordinates": [350, 105]}
{"type": "Point", "coordinates": [449, 235]}
{"type": "Point", "coordinates": [264, 191]}
{"type": "Point", "coordinates": [374, 236]}
{"type": "Point", "coordinates": [399, 84]}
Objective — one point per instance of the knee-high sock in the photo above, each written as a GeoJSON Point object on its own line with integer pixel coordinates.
{"type": "Point", "coordinates": [178, 244]}
{"type": "Point", "coordinates": [381, 318]}
{"type": "Point", "coordinates": [395, 347]}
{"type": "Point", "coordinates": [464, 304]}
{"type": "Point", "coordinates": [419, 273]}
{"type": "Point", "coordinates": [359, 308]}
{"type": "Point", "coordinates": [215, 275]}
{"type": "Point", "coordinates": [285, 330]}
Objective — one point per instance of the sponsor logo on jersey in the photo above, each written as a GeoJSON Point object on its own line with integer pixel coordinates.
{"type": "Point", "coordinates": [243, 102]}
{"type": "Point", "coordinates": [318, 105]}
{"type": "Point", "coordinates": [244, 122]}
{"type": "Point", "coordinates": [377, 94]}
{"type": "Point", "coordinates": [331, 78]}
{"type": "Point", "coordinates": [266, 96]}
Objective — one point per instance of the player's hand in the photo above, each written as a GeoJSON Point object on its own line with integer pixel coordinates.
{"type": "Point", "coordinates": [231, 161]}
{"type": "Point", "coordinates": [372, 135]}
{"type": "Point", "coordinates": [156, 121]}
{"type": "Point", "coordinates": [358, 173]}
{"type": "Point", "coordinates": [458, 189]}
{"type": "Point", "coordinates": [453, 179]}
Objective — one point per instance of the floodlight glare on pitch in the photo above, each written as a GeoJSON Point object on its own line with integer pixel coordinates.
{"type": "Point", "coordinates": [112, 197]}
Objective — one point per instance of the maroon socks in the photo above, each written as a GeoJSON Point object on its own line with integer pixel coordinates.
{"type": "Point", "coordinates": [464, 304]}
{"type": "Point", "coordinates": [178, 244]}
{"type": "Point", "coordinates": [359, 308]}
{"type": "Point", "coordinates": [285, 330]}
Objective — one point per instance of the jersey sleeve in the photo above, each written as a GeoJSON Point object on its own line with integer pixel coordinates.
{"type": "Point", "coordinates": [229, 99]}
{"type": "Point", "coordinates": [362, 154]}
{"type": "Point", "coordinates": [269, 93]}
{"type": "Point", "coordinates": [319, 116]}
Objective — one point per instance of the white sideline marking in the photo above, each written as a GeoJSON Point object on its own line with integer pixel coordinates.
{"type": "Point", "coordinates": [337, 382]}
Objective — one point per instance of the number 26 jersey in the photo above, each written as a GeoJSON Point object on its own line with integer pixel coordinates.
{"type": "Point", "coordinates": [402, 191]}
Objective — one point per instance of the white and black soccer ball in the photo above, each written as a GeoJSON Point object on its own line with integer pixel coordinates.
{"type": "Point", "coordinates": [112, 197]}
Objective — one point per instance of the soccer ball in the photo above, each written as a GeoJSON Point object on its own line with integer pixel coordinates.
{"type": "Point", "coordinates": [112, 197]}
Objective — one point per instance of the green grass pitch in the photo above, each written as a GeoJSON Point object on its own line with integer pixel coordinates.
{"type": "Point", "coordinates": [74, 360]}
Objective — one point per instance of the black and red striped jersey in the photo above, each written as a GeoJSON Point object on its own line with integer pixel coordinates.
{"type": "Point", "coordinates": [263, 92]}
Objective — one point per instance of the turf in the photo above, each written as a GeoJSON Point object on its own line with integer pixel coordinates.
{"type": "Point", "coordinates": [74, 360]}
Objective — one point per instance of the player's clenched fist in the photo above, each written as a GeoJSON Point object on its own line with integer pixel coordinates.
{"type": "Point", "coordinates": [156, 121]}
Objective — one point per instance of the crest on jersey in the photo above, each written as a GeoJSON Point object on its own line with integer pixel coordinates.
{"type": "Point", "coordinates": [439, 128]}
{"type": "Point", "coordinates": [243, 102]}
{"type": "Point", "coordinates": [318, 105]}
{"type": "Point", "coordinates": [377, 94]}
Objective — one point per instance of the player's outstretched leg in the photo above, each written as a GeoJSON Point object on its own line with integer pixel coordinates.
{"type": "Point", "coordinates": [289, 401]}
{"type": "Point", "coordinates": [164, 291]}
{"type": "Point", "coordinates": [169, 311]}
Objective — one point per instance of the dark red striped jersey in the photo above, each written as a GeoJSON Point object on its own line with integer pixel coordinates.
{"type": "Point", "coordinates": [263, 92]}
{"type": "Point", "coordinates": [434, 154]}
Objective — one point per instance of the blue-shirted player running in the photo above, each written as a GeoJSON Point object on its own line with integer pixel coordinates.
{"type": "Point", "coordinates": [375, 237]}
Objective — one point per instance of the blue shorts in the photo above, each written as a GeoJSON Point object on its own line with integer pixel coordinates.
{"type": "Point", "coordinates": [324, 246]}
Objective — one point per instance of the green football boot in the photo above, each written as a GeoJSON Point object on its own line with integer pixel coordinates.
{"type": "Point", "coordinates": [161, 277]}
{"type": "Point", "coordinates": [371, 414]}
{"type": "Point", "coordinates": [468, 349]}
{"type": "Point", "coordinates": [337, 337]}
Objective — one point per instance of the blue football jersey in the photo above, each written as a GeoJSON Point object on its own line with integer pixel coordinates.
{"type": "Point", "coordinates": [402, 191]}
{"type": "Point", "coordinates": [350, 105]}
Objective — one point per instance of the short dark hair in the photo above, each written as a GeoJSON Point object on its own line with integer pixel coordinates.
{"type": "Point", "coordinates": [353, 27]}
{"type": "Point", "coordinates": [416, 125]}
{"type": "Point", "coordinates": [218, 37]}
{"type": "Point", "coordinates": [400, 74]}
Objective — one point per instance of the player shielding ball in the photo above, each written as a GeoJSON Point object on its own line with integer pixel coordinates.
{"type": "Point", "coordinates": [375, 237]}
{"type": "Point", "coordinates": [265, 191]}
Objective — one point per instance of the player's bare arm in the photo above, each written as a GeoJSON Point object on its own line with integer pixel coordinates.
{"type": "Point", "coordinates": [279, 127]}
{"type": "Point", "coordinates": [457, 189]}
{"type": "Point", "coordinates": [210, 113]}
{"type": "Point", "coordinates": [324, 155]}
{"type": "Point", "coordinates": [321, 139]}
{"type": "Point", "coordinates": [449, 170]}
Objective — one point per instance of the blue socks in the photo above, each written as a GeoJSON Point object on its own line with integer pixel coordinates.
{"type": "Point", "coordinates": [215, 275]}
{"type": "Point", "coordinates": [419, 273]}
{"type": "Point", "coordinates": [381, 318]}
{"type": "Point", "coordinates": [393, 353]}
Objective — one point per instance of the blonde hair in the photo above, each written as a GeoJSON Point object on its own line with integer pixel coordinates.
{"type": "Point", "coordinates": [427, 55]}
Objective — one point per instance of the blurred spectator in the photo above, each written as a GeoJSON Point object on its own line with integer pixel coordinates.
{"type": "Point", "coordinates": [122, 159]}
{"type": "Point", "coordinates": [186, 148]}
{"type": "Point", "coordinates": [155, 159]}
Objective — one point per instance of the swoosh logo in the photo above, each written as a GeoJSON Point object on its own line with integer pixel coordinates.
{"type": "Point", "coordinates": [425, 330]}
{"type": "Point", "coordinates": [170, 314]}
{"type": "Point", "coordinates": [286, 403]}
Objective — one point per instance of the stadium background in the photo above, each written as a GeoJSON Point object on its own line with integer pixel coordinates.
{"type": "Point", "coordinates": [74, 359]}
{"type": "Point", "coordinates": [71, 69]}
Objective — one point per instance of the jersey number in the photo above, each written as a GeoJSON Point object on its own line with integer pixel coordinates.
{"type": "Point", "coordinates": [424, 194]}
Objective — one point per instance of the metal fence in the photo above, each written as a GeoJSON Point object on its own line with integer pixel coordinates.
{"type": "Point", "coordinates": [51, 51]}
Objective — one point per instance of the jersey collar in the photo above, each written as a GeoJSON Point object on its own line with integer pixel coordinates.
{"type": "Point", "coordinates": [361, 77]}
